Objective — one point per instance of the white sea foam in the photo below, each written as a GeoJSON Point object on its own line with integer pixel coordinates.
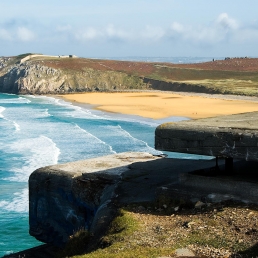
{"type": "Point", "coordinates": [76, 111]}
{"type": "Point", "coordinates": [19, 203]}
{"type": "Point", "coordinates": [98, 141]}
{"type": "Point", "coordinates": [17, 127]}
{"type": "Point", "coordinates": [47, 98]}
{"type": "Point", "coordinates": [129, 140]}
{"type": "Point", "coordinates": [1, 110]}
{"type": "Point", "coordinates": [40, 113]}
{"type": "Point", "coordinates": [31, 96]}
{"type": "Point", "coordinates": [14, 124]}
{"type": "Point", "coordinates": [19, 100]}
{"type": "Point", "coordinates": [37, 152]}
{"type": "Point", "coordinates": [46, 114]}
{"type": "Point", "coordinates": [24, 100]}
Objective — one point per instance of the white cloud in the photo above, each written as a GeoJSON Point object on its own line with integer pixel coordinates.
{"type": "Point", "coordinates": [222, 29]}
{"type": "Point", "coordinates": [177, 27]}
{"type": "Point", "coordinates": [153, 33]}
{"type": "Point", "coordinates": [247, 35]}
{"type": "Point", "coordinates": [87, 34]}
{"type": "Point", "coordinates": [25, 34]}
{"type": "Point", "coordinates": [115, 33]}
{"type": "Point", "coordinates": [226, 22]}
{"type": "Point", "coordinates": [5, 35]}
{"type": "Point", "coordinates": [106, 33]}
{"type": "Point", "coordinates": [64, 28]}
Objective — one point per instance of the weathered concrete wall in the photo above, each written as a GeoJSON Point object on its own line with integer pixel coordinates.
{"type": "Point", "coordinates": [65, 198]}
{"type": "Point", "coordinates": [231, 189]}
{"type": "Point", "coordinates": [233, 136]}
{"type": "Point", "coordinates": [87, 194]}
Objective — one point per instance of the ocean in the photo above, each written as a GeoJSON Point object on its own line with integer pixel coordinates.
{"type": "Point", "coordinates": [37, 131]}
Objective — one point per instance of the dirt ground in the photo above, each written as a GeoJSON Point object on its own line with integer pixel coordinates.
{"type": "Point", "coordinates": [212, 230]}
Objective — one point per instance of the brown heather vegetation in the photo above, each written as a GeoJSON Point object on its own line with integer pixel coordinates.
{"type": "Point", "coordinates": [147, 68]}
{"type": "Point", "coordinates": [232, 76]}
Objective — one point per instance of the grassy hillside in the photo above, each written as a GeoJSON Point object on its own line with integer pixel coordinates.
{"type": "Point", "coordinates": [235, 76]}
{"type": "Point", "coordinates": [232, 76]}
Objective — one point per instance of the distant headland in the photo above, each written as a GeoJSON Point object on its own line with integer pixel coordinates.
{"type": "Point", "coordinates": [42, 74]}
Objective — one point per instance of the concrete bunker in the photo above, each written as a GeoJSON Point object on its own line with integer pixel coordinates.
{"type": "Point", "coordinates": [86, 194]}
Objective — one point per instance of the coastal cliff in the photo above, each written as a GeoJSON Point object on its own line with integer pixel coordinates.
{"type": "Point", "coordinates": [39, 74]}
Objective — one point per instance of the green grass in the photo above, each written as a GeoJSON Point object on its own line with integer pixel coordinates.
{"type": "Point", "coordinates": [114, 244]}
{"type": "Point", "coordinates": [120, 240]}
{"type": "Point", "coordinates": [19, 57]}
{"type": "Point", "coordinates": [76, 244]}
{"type": "Point", "coordinates": [139, 252]}
{"type": "Point", "coordinates": [24, 55]}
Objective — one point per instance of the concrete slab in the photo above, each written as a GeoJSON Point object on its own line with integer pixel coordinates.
{"type": "Point", "coordinates": [234, 136]}
{"type": "Point", "coordinates": [64, 198]}
{"type": "Point", "coordinates": [86, 194]}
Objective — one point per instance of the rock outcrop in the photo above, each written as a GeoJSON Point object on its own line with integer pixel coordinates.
{"type": "Point", "coordinates": [32, 79]}
{"type": "Point", "coordinates": [33, 76]}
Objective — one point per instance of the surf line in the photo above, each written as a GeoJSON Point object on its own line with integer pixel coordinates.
{"type": "Point", "coordinates": [99, 140]}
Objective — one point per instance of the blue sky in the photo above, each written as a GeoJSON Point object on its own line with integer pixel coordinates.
{"type": "Point", "coordinates": [153, 28]}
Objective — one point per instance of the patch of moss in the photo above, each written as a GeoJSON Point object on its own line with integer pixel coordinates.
{"type": "Point", "coordinates": [114, 244]}
{"type": "Point", "coordinates": [139, 252]}
{"type": "Point", "coordinates": [76, 244]}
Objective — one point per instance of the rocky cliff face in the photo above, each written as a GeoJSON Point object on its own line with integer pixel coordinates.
{"type": "Point", "coordinates": [28, 79]}
{"type": "Point", "coordinates": [34, 77]}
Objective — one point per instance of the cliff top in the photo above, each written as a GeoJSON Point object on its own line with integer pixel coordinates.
{"type": "Point", "coordinates": [140, 68]}
{"type": "Point", "coordinates": [230, 76]}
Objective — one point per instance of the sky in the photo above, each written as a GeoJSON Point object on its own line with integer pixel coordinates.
{"type": "Point", "coordinates": [116, 28]}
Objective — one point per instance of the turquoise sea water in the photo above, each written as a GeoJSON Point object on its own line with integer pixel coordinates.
{"type": "Point", "coordinates": [39, 131]}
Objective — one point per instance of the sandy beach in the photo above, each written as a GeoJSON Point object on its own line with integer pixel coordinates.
{"type": "Point", "coordinates": [160, 105]}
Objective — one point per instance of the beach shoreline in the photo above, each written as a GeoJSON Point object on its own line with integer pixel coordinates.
{"type": "Point", "coordinates": [121, 116]}
{"type": "Point", "coordinates": [160, 105]}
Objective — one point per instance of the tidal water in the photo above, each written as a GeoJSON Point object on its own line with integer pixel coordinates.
{"type": "Point", "coordinates": [40, 131]}
{"type": "Point", "coordinates": [37, 131]}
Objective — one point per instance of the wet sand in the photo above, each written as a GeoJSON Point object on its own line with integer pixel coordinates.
{"type": "Point", "coordinates": [160, 105]}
